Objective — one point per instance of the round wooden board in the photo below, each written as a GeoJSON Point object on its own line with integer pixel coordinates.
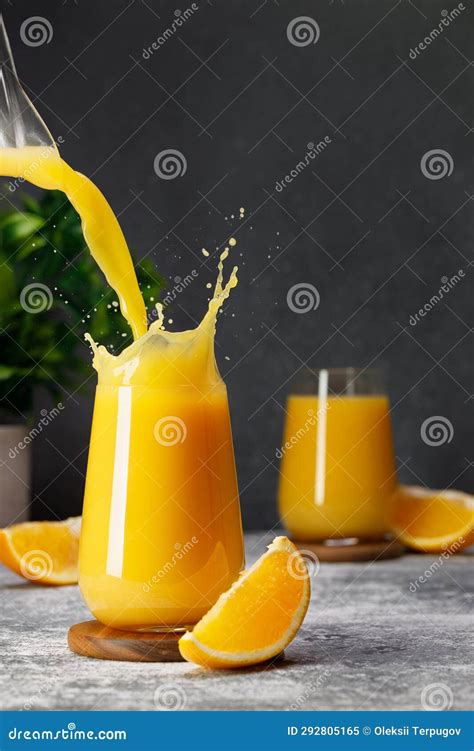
{"type": "Point", "coordinates": [93, 639]}
{"type": "Point", "coordinates": [362, 551]}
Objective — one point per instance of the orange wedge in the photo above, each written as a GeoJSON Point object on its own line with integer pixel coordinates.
{"type": "Point", "coordinates": [257, 617]}
{"type": "Point", "coordinates": [433, 520]}
{"type": "Point", "coordinates": [43, 552]}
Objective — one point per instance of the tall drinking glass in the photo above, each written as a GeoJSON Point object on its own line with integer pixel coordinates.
{"type": "Point", "coordinates": [337, 459]}
{"type": "Point", "coordinates": [161, 535]}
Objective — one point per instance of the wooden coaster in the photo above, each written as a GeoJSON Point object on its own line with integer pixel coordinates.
{"type": "Point", "coordinates": [93, 639]}
{"type": "Point", "coordinates": [359, 551]}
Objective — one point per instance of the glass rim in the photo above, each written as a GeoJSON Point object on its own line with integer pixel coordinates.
{"type": "Point", "coordinates": [345, 370]}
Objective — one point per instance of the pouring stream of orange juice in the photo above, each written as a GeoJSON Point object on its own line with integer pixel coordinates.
{"type": "Point", "coordinates": [162, 535]}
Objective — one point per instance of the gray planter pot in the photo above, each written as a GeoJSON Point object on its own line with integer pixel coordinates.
{"type": "Point", "coordinates": [15, 474]}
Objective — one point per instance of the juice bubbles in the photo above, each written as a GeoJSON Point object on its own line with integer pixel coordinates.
{"type": "Point", "coordinates": [337, 465]}
{"type": "Point", "coordinates": [161, 535]}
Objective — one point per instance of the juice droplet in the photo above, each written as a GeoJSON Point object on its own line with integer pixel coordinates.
{"type": "Point", "coordinates": [232, 242]}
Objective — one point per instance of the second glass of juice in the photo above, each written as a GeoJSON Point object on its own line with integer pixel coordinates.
{"type": "Point", "coordinates": [161, 536]}
{"type": "Point", "coordinates": [337, 471]}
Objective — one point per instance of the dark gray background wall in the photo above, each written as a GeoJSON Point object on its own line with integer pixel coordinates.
{"type": "Point", "coordinates": [362, 224]}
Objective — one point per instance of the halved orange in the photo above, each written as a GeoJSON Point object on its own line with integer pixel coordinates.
{"type": "Point", "coordinates": [257, 617]}
{"type": "Point", "coordinates": [43, 552]}
{"type": "Point", "coordinates": [433, 520]}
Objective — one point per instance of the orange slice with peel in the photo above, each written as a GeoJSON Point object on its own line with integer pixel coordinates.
{"type": "Point", "coordinates": [433, 520]}
{"type": "Point", "coordinates": [43, 552]}
{"type": "Point", "coordinates": [257, 617]}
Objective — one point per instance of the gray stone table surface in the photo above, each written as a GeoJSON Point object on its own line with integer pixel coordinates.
{"type": "Point", "coordinates": [369, 641]}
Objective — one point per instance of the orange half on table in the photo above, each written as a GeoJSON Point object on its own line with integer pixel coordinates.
{"type": "Point", "coordinates": [433, 521]}
{"type": "Point", "coordinates": [43, 552]}
{"type": "Point", "coordinates": [257, 617]}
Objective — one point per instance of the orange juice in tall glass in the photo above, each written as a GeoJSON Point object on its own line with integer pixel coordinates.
{"type": "Point", "coordinates": [337, 471]}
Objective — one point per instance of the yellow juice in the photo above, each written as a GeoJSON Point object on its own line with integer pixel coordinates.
{"type": "Point", "coordinates": [161, 536]}
{"type": "Point", "coordinates": [337, 467]}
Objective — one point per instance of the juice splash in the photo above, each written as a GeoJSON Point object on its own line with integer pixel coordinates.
{"type": "Point", "coordinates": [42, 166]}
{"type": "Point", "coordinates": [161, 535]}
